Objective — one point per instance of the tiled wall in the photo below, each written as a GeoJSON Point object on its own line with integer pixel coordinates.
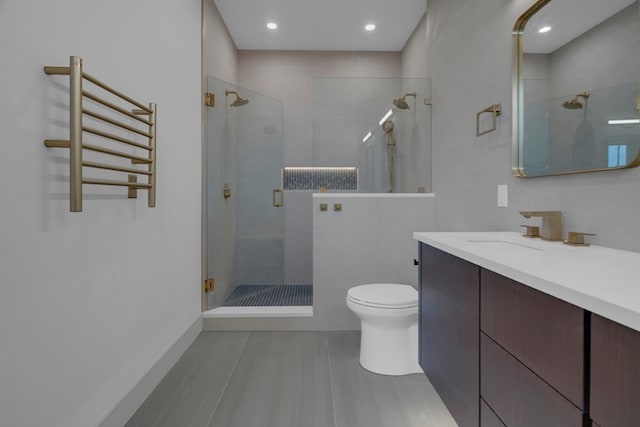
{"type": "Point", "coordinates": [368, 241]}
{"type": "Point", "coordinates": [288, 76]}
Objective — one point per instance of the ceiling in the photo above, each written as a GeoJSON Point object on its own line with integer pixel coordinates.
{"type": "Point", "coordinates": [321, 24]}
{"type": "Point", "coordinates": [568, 19]}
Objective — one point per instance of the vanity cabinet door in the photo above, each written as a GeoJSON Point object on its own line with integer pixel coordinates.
{"type": "Point", "coordinates": [518, 396]}
{"type": "Point", "coordinates": [488, 418]}
{"type": "Point", "coordinates": [541, 331]}
{"type": "Point", "coordinates": [615, 374]}
{"type": "Point", "coordinates": [449, 324]}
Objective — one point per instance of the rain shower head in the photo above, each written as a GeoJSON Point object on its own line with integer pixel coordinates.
{"type": "Point", "coordinates": [240, 101]}
{"type": "Point", "coordinates": [401, 102]}
{"type": "Point", "coordinates": [573, 103]}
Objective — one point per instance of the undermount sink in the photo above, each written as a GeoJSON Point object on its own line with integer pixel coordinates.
{"type": "Point", "coordinates": [494, 244]}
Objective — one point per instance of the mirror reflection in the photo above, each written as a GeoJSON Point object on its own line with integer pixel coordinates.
{"type": "Point", "coordinates": [577, 87]}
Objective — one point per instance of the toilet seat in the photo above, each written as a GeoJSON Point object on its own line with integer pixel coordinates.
{"type": "Point", "coordinates": [384, 295]}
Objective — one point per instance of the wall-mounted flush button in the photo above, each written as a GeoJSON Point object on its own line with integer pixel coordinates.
{"type": "Point", "coordinates": [323, 207]}
{"type": "Point", "coordinates": [337, 207]}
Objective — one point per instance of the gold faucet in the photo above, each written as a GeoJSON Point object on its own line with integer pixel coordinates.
{"type": "Point", "coordinates": [551, 223]}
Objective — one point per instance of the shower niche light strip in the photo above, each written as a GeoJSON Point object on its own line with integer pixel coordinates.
{"type": "Point", "coordinates": [314, 178]}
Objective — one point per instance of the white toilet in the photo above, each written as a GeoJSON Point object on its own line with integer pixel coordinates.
{"type": "Point", "coordinates": [389, 327]}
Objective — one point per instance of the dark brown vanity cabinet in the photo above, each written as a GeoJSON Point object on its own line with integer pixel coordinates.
{"type": "Point", "coordinates": [488, 418]}
{"type": "Point", "coordinates": [532, 355]}
{"type": "Point", "coordinates": [482, 334]}
{"type": "Point", "coordinates": [615, 374]}
{"type": "Point", "coordinates": [502, 354]}
{"type": "Point", "coordinates": [449, 325]}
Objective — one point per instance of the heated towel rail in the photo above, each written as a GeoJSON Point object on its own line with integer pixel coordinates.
{"type": "Point", "coordinates": [139, 135]}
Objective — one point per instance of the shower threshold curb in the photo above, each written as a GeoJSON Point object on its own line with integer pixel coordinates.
{"type": "Point", "coordinates": [258, 311]}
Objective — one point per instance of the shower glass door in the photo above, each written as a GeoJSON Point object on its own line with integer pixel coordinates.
{"type": "Point", "coordinates": [244, 224]}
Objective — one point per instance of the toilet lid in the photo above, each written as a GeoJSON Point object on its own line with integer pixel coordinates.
{"type": "Point", "coordinates": [384, 295]}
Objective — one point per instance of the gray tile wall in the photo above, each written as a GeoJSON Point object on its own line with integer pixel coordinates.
{"type": "Point", "coordinates": [469, 62]}
{"type": "Point", "coordinates": [288, 76]}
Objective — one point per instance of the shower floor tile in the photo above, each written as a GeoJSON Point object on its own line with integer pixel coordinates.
{"type": "Point", "coordinates": [270, 295]}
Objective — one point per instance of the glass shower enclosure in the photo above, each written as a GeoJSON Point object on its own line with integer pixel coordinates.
{"type": "Point", "coordinates": [243, 197]}
{"type": "Point", "coordinates": [382, 126]}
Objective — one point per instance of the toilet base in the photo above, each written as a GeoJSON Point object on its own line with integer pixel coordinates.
{"type": "Point", "coordinates": [389, 327]}
{"type": "Point", "coordinates": [389, 351]}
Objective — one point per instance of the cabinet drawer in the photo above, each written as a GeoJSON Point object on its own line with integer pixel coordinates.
{"type": "Point", "coordinates": [518, 396]}
{"type": "Point", "coordinates": [543, 332]}
{"type": "Point", "coordinates": [488, 418]}
{"type": "Point", "coordinates": [615, 374]}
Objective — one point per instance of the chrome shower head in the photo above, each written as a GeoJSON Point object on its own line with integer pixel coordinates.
{"type": "Point", "coordinates": [240, 101]}
{"type": "Point", "coordinates": [574, 104]}
{"type": "Point", "coordinates": [401, 102]}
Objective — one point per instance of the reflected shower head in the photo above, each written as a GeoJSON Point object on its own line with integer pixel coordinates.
{"type": "Point", "coordinates": [574, 104]}
{"type": "Point", "coordinates": [401, 102]}
{"type": "Point", "coordinates": [240, 101]}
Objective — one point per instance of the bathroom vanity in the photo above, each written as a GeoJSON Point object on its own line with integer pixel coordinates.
{"type": "Point", "coordinates": [523, 332]}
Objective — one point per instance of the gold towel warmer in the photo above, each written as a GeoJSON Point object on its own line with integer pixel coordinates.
{"type": "Point", "coordinates": [76, 129]}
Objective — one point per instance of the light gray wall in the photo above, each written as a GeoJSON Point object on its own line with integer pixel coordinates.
{"type": "Point", "coordinates": [413, 58]}
{"type": "Point", "coordinates": [91, 301]}
{"type": "Point", "coordinates": [469, 61]}
{"type": "Point", "coordinates": [600, 58]}
{"type": "Point", "coordinates": [369, 241]}
{"type": "Point", "coordinates": [287, 76]}
{"type": "Point", "coordinates": [219, 53]}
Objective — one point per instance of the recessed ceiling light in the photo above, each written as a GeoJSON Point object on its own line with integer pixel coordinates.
{"type": "Point", "coordinates": [544, 29]}
{"type": "Point", "coordinates": [370, 27]}
{"type": "Point", "coordinates": [272, 25]}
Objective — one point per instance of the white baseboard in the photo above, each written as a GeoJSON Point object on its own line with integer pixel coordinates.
{"type": "Point", "coordinates": [271, 311]}
{"type": "Point", "coordinates": [124, 409]}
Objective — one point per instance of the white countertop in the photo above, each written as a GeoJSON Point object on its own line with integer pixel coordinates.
{"type": "Point", "coordinates": [602, 280]}
{"type": "Point", "coordinates": [372, 195]}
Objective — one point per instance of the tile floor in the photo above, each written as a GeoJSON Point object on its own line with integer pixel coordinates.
{"type": "Point", "coordinates": [286, 379]}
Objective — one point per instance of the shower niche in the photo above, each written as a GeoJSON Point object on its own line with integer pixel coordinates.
{"type": "Point", "coordinates": [381, 126]}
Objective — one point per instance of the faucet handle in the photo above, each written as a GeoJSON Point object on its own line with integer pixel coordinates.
{"type": "Point", "coordinates": [542, 214]}
{"type": "Point", "coordinates": [531, 231]}
{"type": "Point", "coordinates": [575, 238]}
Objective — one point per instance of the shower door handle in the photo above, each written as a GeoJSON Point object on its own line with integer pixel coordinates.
{"type": "Point", "coordinates": [281, 202]}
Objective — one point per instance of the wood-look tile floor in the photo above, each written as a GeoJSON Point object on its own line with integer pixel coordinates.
{"type": "Point", "coordinates": [286, 379]}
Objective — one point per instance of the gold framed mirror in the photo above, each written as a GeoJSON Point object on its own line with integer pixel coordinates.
{"type": "Point", "coordinates": [576, 103]}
